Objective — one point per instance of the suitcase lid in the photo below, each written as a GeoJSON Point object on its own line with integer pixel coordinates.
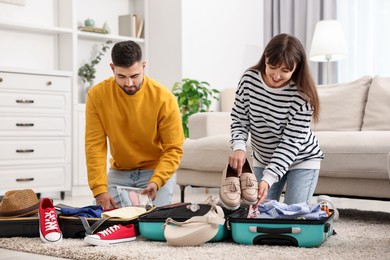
{"type": "Point", "coordinates": [177, 211]}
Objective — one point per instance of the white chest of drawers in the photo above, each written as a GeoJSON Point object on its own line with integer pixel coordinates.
{"type": "Point", "coordinates": [35, 131]}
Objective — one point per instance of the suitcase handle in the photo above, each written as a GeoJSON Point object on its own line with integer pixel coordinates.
{"type": "Point", "coordinates": [89, 230]}
{"type": "Point", "coordinates": [291, 230]}
{"type": "Point", "coordinates": [273, 240]}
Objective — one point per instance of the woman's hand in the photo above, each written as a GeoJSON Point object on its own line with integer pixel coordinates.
{"type": "Point", "coordinates": [237, 160]}
{"type": "Point", "coordinates": [262, 192]}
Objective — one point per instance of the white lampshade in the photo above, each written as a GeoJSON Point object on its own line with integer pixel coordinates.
{"type": "Point", "coordinates": [329, 42]}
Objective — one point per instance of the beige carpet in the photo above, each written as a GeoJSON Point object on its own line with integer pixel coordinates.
{"type": "Point", "coordinates": [360, 235]}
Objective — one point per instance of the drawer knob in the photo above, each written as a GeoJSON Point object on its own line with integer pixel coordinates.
{"type": "Point", "coordinates": [24, 150]}
{"type": "Point", "coordinates": [24, 101]}
{"type": "Point", "coordinates": [49, 83]}
{"type": "Point", "coordinates": [24, 124]}
{"type": "Point", "coordinates": [24, 179]}
{"type": "Point", "coordinates": [1, 79]}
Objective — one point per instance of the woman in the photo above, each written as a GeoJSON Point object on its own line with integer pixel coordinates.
{"type": "Point", "coordinates": [275, 102]}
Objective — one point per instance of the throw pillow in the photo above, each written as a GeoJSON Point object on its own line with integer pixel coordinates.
{"type": "Point", "coordinates": [377, 113]}
{"type": "Point", "coordinates": [342, 105]}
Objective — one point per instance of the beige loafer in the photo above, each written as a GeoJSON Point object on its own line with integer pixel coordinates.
{"type": "Point", "coordinates": [230, 192]}
{"type": "Point", "coordinates": [249, 185]}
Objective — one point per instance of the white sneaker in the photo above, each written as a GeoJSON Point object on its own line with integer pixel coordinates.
{"type": "Point", "coordinates": [328, 200]}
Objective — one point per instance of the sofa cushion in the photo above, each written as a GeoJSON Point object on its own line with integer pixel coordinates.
{"type": "Point", "coordinates": [354, 154]}
{"type": "Point", "coordinates": [208, 153]}
{"type": "Point", "coordinates": [377, 112]}
{"type": "Point", "coordinates": [227, 97]}
{"type": "Point", "coordinates": [209, 123]}
{"type": "Point", "coordinates": [342, 105]}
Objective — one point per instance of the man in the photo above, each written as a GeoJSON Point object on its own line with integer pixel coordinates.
{"type": "Point", "coordinates": [140, 120]}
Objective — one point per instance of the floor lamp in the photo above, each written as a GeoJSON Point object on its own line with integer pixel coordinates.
{"type": "Point", "coordinates": [328, 43]}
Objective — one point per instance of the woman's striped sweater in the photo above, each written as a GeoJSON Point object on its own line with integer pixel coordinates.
{"type": "Point", "coordinates": [278, 120]}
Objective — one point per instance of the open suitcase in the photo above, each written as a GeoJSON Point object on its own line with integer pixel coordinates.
{"type": "Point", "coordinates": [289, 232]}
{"type": "Point", "coordinates": [20, 227]}
{"type": "Point", "coordinates": [151, 224]}
{"type": "Point", "coordinates": [79, 227]}
{"type": "Point", "coordinates": [17, 224]}
{"type": "Point", "coordinates": [73, 227]}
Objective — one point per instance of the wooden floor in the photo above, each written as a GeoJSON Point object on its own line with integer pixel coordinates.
{"type": "Point", "coordinates": [196, 195]}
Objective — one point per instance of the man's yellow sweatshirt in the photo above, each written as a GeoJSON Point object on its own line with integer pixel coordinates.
{"type": "Point", "coordinates": [144, 131]}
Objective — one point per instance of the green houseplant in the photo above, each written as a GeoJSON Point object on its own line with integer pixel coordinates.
{"type": "Point", "coordinates": [87, 71]}
{"type": "Point", "coordinates": [193, 96]}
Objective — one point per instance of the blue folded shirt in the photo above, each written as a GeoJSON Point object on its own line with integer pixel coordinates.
{"type": "Point", "coordinates": [278, 210]}
{"type": "Point", "coordinates": [93, 211]}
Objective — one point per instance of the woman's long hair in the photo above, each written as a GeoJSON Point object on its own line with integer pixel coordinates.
{"type": "Point", "coordinates": [288, 50]}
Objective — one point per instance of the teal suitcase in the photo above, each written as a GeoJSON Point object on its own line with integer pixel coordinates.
{"type": "Point", "coordinates": [151, 224]}
{"type": "Point", "coordinates": [288, 232]}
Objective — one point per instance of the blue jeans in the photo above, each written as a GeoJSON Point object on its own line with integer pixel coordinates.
{"type": "Point", "coordinates": [139, 179]}
{"type": "Point", "coordinates": [301, 184]}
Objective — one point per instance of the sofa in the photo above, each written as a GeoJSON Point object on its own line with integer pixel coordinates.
{"type": "Point", "coordinates": [353, 132]}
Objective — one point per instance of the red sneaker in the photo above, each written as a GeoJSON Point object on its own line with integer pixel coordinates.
{"type": "Point", "coordinates": [113, 235]}
{"type": "Point", "coordinates": [49, 230]}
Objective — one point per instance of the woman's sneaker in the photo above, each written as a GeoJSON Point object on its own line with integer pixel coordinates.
{"type": "Point", "coordinates": [49, 231]}
{"type": "Point", "coordinates": [326, 200]}
{"type": "Point", "coordinates": [113, 235]}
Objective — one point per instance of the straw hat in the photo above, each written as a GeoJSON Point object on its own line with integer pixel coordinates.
{"type": "Point", "coordinates": [18, 203]}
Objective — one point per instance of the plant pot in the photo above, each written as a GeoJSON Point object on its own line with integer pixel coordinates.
{"type": "Point", "coordinates": [84, 91]}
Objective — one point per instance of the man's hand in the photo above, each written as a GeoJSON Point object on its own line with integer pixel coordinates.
{"type": "Point", "coordinates": [105, 200]}
{"type": "Point", "coordinates": [150, 190]}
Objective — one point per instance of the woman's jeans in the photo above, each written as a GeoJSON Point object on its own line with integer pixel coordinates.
{"type": "Point", "coordinates": [139, 179]}
{"type": "Point", "coordinates": [301, 184]}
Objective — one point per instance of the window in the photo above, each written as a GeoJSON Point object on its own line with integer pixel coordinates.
{"type": "Point", "coordinates": [366, 29]}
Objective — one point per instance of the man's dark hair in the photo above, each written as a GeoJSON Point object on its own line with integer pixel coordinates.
{"type": "Point", "coordinates": [125, 54]}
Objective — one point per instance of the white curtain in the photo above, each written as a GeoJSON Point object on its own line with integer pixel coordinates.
{"type": "Point", "coordinates": [298, 18]}
{"type": "Point", "coordinates": [366, 25]}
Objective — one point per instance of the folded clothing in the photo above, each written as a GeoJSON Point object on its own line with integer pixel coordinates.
{"type": "Point", "coordinates": [125, 212]}
{"type": "Point", "coordinates": [93, 211]}
{"type": "Point", "coordinates": [278, 210]}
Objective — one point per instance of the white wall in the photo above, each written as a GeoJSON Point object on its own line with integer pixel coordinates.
{"type": "Point", "coordinates": [165, 41]}
{"type": "Point", "coordinates": [33, 51]}
{"type": "Point", "coordinates": [208, 40]}
{"type": "Point", "coordinates": [221, 38]}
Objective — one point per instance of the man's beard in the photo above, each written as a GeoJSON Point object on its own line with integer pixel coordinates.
{"type": "Point", "coordinates": [131, 90]}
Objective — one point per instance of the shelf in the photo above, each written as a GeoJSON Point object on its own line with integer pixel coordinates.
{"type": "Point", "coordinates": [101, 36]}
{"type": "Point", "coordinates": [63, 73]}
{"type": "Point", "coordinates": [53, 45]}
{"type": "Point", "coordinates": [4, 24]}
